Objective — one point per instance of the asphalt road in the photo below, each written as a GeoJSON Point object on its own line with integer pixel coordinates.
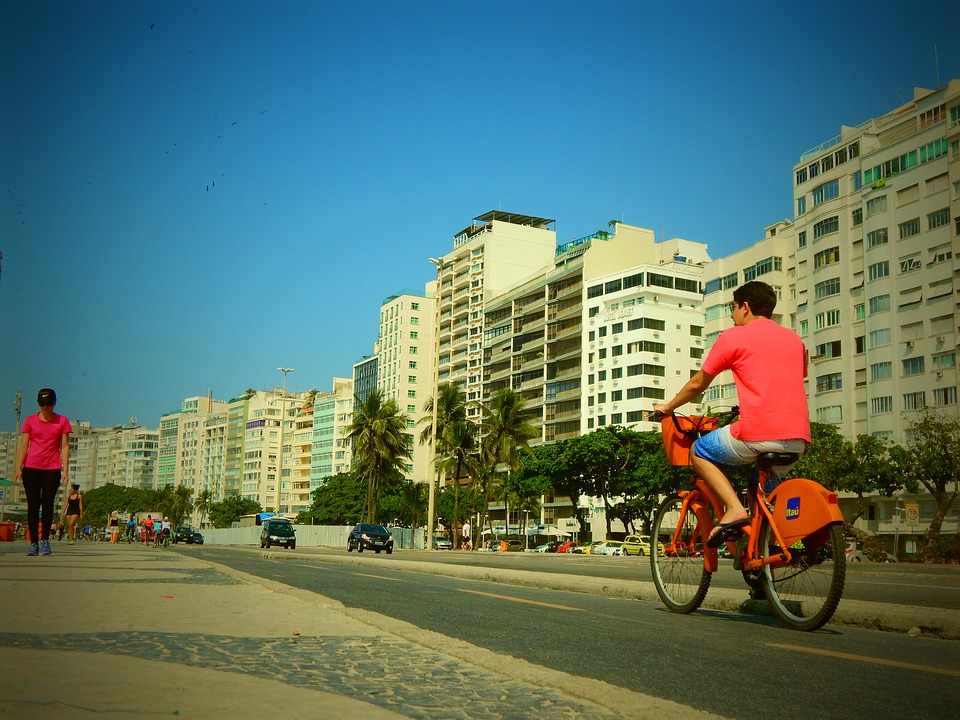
{"type": "Point", "coordinates": [901, 583]}
{"type": "Point", "coordinates": [735, 665]}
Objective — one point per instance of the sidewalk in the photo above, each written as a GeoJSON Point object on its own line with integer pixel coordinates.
{"type": "Point", "coordinates": [140, 632]}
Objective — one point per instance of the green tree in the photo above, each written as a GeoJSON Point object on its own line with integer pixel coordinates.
{"type": "Point", "coordinates": [526, 488]}
{"type": "Point", "coordinates": [931, 458]}
{"type": "Point", "coordinates": [601, 459]}
{"type": "Point", "coordinates": [458, 443]}
{"type": "Point", "coordinates": [380, 445]}
{"type": "Point", "coordinates": [647, 477]}
{"type": "Point", "coordinates": [505, 431]}
{"type": "Point", "coordinates": [451, 410]}
{"type": "Point", "coordinates": [403, 502]}
{"type": "Point", "coordinates": [202, 504]}
{"type": "Point", "coordinates": [828, 458]}
{"type": "Point", "coordinates": [872, 468]}
{"type": "Point", "coordinates": [101, 501]}
{"type": "Point", "coordinates": [338, 501]}
{"type": "Point", "coordinates": [226, 512]}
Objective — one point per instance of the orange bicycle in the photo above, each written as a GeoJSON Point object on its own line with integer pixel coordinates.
{"type": "Point", "coordinates": [792, 549]}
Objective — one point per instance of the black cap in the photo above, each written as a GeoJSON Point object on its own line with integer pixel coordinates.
{"type": "Point", "coordinates": [47, 396]}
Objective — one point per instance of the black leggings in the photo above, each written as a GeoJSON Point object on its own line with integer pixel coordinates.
{"type": "Point", "coordinates": [41, 489]}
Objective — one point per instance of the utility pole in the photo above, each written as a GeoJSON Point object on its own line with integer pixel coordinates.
{"type": "Point", "coordinates": [283, 419]}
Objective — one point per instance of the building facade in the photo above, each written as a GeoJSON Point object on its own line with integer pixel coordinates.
{"type": "Point", "coordinates": [406, 365]}
{"type": "Point", "coordinates": [365, 377]}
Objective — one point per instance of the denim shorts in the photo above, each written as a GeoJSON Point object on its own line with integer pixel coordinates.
{"type": "Point", "coordinates": [721, 448]}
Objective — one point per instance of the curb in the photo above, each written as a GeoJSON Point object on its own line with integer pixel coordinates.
{"type": "Point", "coordinates": [620, 701]}
{"type": "Point", "coordinates": [938, 622]}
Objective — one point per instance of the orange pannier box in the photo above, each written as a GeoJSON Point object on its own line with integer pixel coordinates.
{"type": "Point", "coordinates": [678, 441]}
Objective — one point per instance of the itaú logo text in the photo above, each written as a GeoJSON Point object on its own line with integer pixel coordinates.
{"type": "Point", "coordinates": [793, 508]}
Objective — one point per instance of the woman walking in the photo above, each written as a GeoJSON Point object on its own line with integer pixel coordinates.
{"type": "Point", "coordinates": [43, 458]}
{"type": "Point", "coordinates": [73, 512]}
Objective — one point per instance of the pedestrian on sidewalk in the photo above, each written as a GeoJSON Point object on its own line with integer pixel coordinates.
{"type": "Point", "coordinates": [43, 459]}
{"type": "Point", "coordinates": [72, 512]}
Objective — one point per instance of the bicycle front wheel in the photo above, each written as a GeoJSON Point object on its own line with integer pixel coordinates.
{"type": "Point", "coordinates": [678, 572]}
{"type": "Point", "coordinates": [805, 594]}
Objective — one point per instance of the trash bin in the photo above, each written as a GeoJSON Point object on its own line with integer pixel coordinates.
{"type": "Point", "coordinates": [6, 531]}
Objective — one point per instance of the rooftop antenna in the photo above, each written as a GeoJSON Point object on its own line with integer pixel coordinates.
{"type": "Point", "coordinates": [936, 62]}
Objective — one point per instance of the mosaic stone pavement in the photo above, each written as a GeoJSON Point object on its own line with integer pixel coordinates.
{"type": "Point", "coordinates": [389, 672]}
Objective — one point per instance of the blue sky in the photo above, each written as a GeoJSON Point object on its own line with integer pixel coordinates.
{"type": "Point", "coordinates": [343, 144]}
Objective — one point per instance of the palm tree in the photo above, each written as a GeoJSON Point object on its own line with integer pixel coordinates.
{"type": "Point", "coordinates": [202, 504]}
{"type": "Point", "coordinates": [451, 409]}
{"type": "Point", "coordinates": [380, 445]}
{"type": "Point", "coordinates": [505, 431]}
{"type": "Point", "coordinates": [458, 443]}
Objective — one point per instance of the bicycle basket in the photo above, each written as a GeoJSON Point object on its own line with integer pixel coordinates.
{"type": "Point", "coordinates": [680, 432]}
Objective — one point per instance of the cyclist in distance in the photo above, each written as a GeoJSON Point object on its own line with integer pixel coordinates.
{"type": "Point", "coordinates": [769, 364]}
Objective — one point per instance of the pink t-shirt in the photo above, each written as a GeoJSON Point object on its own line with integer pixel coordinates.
{"type": "Point", "coordinates": [43, 453]}
{"type": "Point", "coordinates": [769, 364]}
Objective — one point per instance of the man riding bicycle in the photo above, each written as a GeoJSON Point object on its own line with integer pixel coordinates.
{"type": "Point", "coordinates": [769, 364]}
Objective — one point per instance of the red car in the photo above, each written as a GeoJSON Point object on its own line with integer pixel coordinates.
{"type": "Point", "coordinates": [566, 546]}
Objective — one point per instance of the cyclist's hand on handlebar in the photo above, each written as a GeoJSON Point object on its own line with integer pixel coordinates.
{"type": "Point", "coordinates": [659, 412]}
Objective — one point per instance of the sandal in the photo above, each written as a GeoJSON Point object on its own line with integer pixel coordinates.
{"type": "Point", "coordinates": [726, 531]}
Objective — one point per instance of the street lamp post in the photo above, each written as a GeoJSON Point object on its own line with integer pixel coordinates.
{"type": "Point", "coordinates": [283, 419]}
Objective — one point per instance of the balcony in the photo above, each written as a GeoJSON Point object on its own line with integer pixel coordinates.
{"type": "Point", "coordinates": [532, 325]}
{"type": "Point", "coordinates": [566, 373]}
{"type": "Point", "coordinates": [568, 291]}
{"type": "Point", "coordinates": [564, 332]}
{"type": "Point", "coordinates": [571, 394]}
{"type": "Point", "coordinates": [564, 313]}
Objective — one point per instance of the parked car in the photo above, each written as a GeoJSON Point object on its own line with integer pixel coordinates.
{"type": "Point", "coordinates": [441, 543]}
{"type": "Point", "coordinates": [609, 547]}
{"type": "Point", "coordinates": [639, 545]}
{"type": "Point", "coordinates": [547, 547]}
{"type": "Point", "coordinates": [566, 547]}
{"type": "Point", "coordinates": [187, 535]}
{"type": "Point", "coordinates": [370, 537]}
{"type": "Point", "coordinates": [278, 531]}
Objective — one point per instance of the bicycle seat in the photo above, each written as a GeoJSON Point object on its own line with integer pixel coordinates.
{"type": "Point", "coordinates": [776, 458]}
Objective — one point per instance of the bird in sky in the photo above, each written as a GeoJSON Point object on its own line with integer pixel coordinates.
{"type": "Point", "coordinates": [151, 26]}
{"type": "Point", "coordinates": [208, 188]}
{"type": "Point", "coordinates": [233, 123]}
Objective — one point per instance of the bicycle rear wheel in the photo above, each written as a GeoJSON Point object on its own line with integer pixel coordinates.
{"type": "Point", "coordinates": [678, 572]}
{"type": "Point", "coordinates": [805, 594]}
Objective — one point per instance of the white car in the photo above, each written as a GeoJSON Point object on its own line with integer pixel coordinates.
{"type": "Point", "coordinates": [610, 547]}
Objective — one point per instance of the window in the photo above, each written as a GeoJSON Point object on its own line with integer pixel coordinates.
{"type": "Point", "coordinates": [595, 291]}
{"type": "Point", "coordinates": [857, 217]}
{"type": "Point", "coordinates": [593, 311]}
{"type": "Point", "coordinates": [602, 354]}
{"type": "Point", "coordinates": [590, 379]}
{"type": "Point", "coordinates": [878, 270]}
{"type": "Point", "coordinates": [646, 323]}
{"type": "Point", "coordinates": [955, 115]}
{"type": "Point", "coordinates": [730, 281]}
{"type": "Point", "coordinates": [940, 254]}
{"type": "Point", "coordinates": [803, 328]}
{"type": "Point", "coordinates": [825, 227]}
{"type": "Point", "coordinates": [659, 280]}
{"type": "Point", "coordinates": [858, 312]}
{"type": "Point", "coordinates": [856, 180]}
{"type": "Point", "coordinates": [879, 338]}
{"type": "Point", "coordinates": [411, 394]}
{"type": "Point", "coordinates": [412, 365]}
{"type": "Point", "coordinates": [881, 371]}
{"type": "Point", "coordinates": [840, 156]}
{"type": "Point", "coordinates": [830, 381]}
{"type": "Point", "coordinates": [601, 420]}
{"type": "Point", "coordinates": [827, 319]}
{"type": "Point", "coordinates": [829, 349]}
{"type": "Point", "coordinates": [813, 170]}
{"type": "Point", "coordinates": [411, 408]}
{"type": "Point", "coordinates": [634, 416]}
{"type": "Point", "coordinates": [832, 414]}
{"type": "Point", "coordinates": [912, 366]}
{"type": "Point", "coordinates": [826, 257]}
{"type": "Point", "coordinates": [412, 379]}
{"type": "Point", "coordinates": [616, 373]}
{"type": "Point", "coordinates": [853, 149]}
{"type": "Point", "coordinates": [825, 192]}
{"type": "Point", "coordinates": [910, 263]}
{"type": "Point", "coordinates": [943, 361]}
{"type": "Point", "coordinates": [414, 306]}
{"type": "Point", "coordinates": [687, 285]}
{"type": "Point", "coordinates": [826, 288]}
{"type": "Point", "coordinates": [412, 350]}
{"type": "Point", "coordinates": [826, 163]}
{"type": "Point", "coordinates": [647, 369]}
{"type": "Point", "coordinates": [801, 205]}
{"type": "Point", "coordinates": [909, 228]}
{"type": "Point", "coordinates": [613, 286]}
{"type": "Point", "coordinates": [915, 400]}
{"type": "Point", "coordinates": [801, 176]}
{"type": "Point", "coordinates": [762, 268]}
{"type": "Point", "coordinates": [944, 396]}
{"type": "Point", "coordinates": [633, 281]}
{"type": "Point", "coordinates": [414, 334]}
{"type": "Point", "coordinates": [601, 398]}
{"type": "Point", "coordinates": [711, 286]}
{"type": "Point", "coordinates": [932, 116]}
{"type": "Point", "coordinates": [414, 320]}
{"type": "Point", "coordinates": [616, 396]}
{"type": "Point", "coordinates": [603, 331]}
{"type": "Point", "coordinates": [696, 330]}
{"type": "Point", "coordinates": [881, 405]}
{"type": "Point", "coordinates": [859, 344]}
{"type": "Point", "coordinates": [696, 352]}
{"type": "Point", "coordinates": [879, 304]}
{"type": "Point", "coordinates": [876, 238]}
{"type": "Point", "coordinates": [876, 205]}
{"type": "Point", "coordinates": [717, 312]}
{"type": "Point", "coordinates": [616, 350]}
{"type": "Point", "coordinates": [616, 418]}
{"type": "Point", "coordinates": [616, 328]}
{"type": "Point", "coordinates": [802, 239]}
{"type": "Point", "coordinates": [938, 218]}
{"type": "Point", "coordinates": [933, 150]}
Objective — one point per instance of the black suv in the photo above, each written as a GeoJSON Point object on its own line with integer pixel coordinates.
{"type": "Point", "coordinates": [370, 537]}
{"type": "Point", "coordinates": [278, 531]}
{"type": "Point", "coordinates": [187, 535]}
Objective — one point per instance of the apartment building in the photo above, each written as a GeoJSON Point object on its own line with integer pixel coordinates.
{"type": "Point", "coordinates": [237, 415]}
{"type": "Point", "coordinates": [13, 493]}
{"type": "Point", "coordinates": [612, 325]}
{"type": "Point", "coordinates": [497, 251]}
{"type": "Point", "coordinates": [331, 449]}
{"type": "Point", "coordinates": [365, 376]}
{"type": "Point", "coordinates": [83, 454]}
{"type": "Point", "coordinates": [300, 453]}
{"type": "Point", "coordinates": [268, 447]}
{"type": "Point", "coordinates": [127, 455]}
{"type": "Point", "coordinates": [405, 371]}
{"type": "Point", "coordinates": [876, 255]}
{"type": "Point", "coordinates": [772, 260]}
{"type": "Point", "coordinates": [183, 457]}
